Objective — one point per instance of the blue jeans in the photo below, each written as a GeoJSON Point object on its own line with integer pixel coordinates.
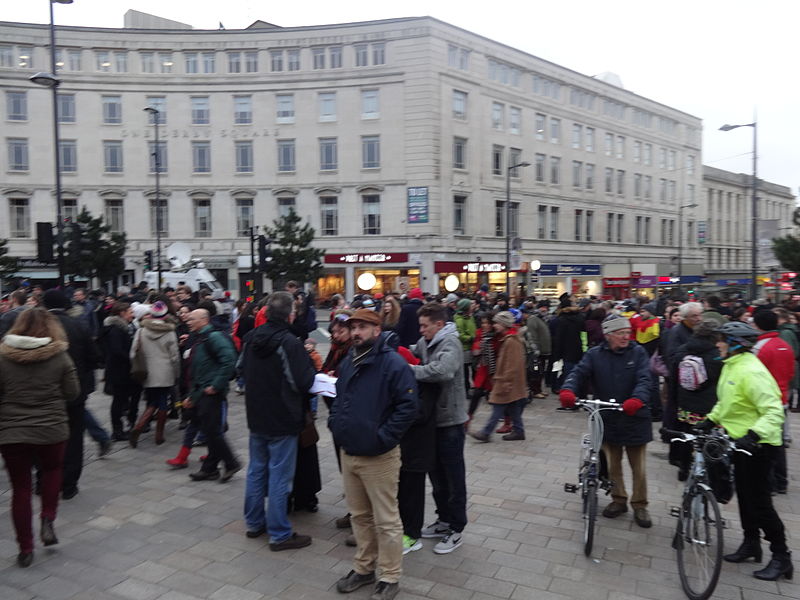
{"type": "Point", "coordinates": [499, 411]}
{"type": "Point", "coordinates": [449, 477]}
{"type": "Point", "coordinates": [95, 430]}
{"type": "Point", "coordinates": [270, 473]}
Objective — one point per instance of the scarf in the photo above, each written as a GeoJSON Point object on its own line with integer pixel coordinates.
{"type": "Point", "coordinates": [487, 352]}
{"type": "Point", "coordinates": [336, 355]}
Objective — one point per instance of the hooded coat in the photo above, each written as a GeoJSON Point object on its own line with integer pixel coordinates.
{"type": "Point", "coordinates": [116, 338]}
{"type": "Point", "coordinates": [157, 340]}
{"type": "Point", "coordinates": [509, 384]}
{"type": "Point", "coordinates": [703, 399]}
{"type": "Point", "coordinates": [408, 325]}
{"type": "Point", "coordinates": [274, 402]}
{"type": "Point", "coordinates": [567, 328]}
{"type": "Point", "coordinates": [37, 380]}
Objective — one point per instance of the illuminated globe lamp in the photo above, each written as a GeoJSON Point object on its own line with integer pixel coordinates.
{"type": "Point", "coordinates": [451, 283]}
{"type": "Point", "coordinates": [366, 281]}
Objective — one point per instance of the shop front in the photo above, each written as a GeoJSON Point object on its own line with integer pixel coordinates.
{"type": "Point", "coordinates": [468, 277]}
{"type": "Point", "coordinates": [580, 279]}
{"type": "Point", "coordinates": [370, 273]}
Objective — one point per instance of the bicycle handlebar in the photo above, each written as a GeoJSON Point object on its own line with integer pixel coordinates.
{"type": "Point", "coordinates": [682, 436]}
{"type": "Point", "coordinates": [599, 403]}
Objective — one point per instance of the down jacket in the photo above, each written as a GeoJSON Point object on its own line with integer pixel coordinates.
{"type": "Point", "coordinates": [619, 375]}
{"type": "Point", "coordinates": [157, 340]}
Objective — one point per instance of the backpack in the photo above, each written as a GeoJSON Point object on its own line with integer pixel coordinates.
{"type": "Point", "coordinates": [692, 372]}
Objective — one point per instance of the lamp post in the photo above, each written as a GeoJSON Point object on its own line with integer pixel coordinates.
{"type": "Point", "coordinates": [508, 223]}
{"type": "Point", "coordinates": [50, 80]}
{"type": "Point", "coordinates": [155, 114]}
{"type": "Point", "coordinates": [754, 187]}
{"type": "Point", "coordinates": [680, 244]}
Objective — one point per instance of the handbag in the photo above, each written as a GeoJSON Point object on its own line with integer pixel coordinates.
{"type": "Point", "coordinates": [309, 436]}
{"type": "Point", "coordinates": [657, 365]}
{"type": "Point", "coordinates": [138, 366]}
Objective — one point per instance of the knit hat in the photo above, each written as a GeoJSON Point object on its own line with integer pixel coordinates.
{"type": "Point", "coordinates": [463, 305]}
{"type": "Point", "coordinates": [451, 298]}
{"type": "Point", "coordinates": [366, 315]}
{"type": "Point", "coordinates": [614, 323]}
{"type": "Point", "coordinates": [505, 318]}
{"type": "Point", "coordinates": [158, 310]}
{"type": "Point", "coordinates": [415, 294]}
{"type": "Point", "coordinates": [55, 299]}
{"type": "Point", "coordinates": [650, 307]}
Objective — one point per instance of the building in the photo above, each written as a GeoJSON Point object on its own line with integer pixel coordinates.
{"type": "Point", "coordinates": [392, 138]}
{"type": "Point", "coordinates": [727, 229]}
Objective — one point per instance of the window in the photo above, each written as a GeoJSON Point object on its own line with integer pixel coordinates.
{"type": "Point", "coordinates": [497, 160]}
{"type": "Point", "coordinates": [276, 60]}
{"type": "Point", "coordinates": [620, 182]}
{"type": "Point", "coordinates": [577, 174]}
{"type": "Point", "coordinates": [335, 56]}
{"type": "Point", "coordinates": [160, 104]}
{"type": "Point", "coordinates": [19, 217]}
{"type": "Point", "coordinates": [102, 60]}
{"type": "Point", "coordinates": [609, 180]}
{"type": "Point", "coordinates": [7, 56]}
{"type": "Point", "coordinates": [459, 153]}
{"type": "Point", "coordinates": [285, 112]}
{"type": "Point", "coordinates": [16, 106]}
{"type": "Point", "coordinates": [457, 57]}
{"type": "Point", "coordinates": [286, 155]}
{"type": "Point", "coordinates": [459, 214]}
{"type": "Point", "coordinates": [671, 238]}
{"type": "Point", "coordinates": [329, 215]}
{"type": "Point", "coordinates": [498, 110]}
{"type": "Point", "coordinates": [244, 156]}
{"type": "Point", "coordinates": [190, 62]}
{"type": "Point", "coordinates": [370, 104]}
{"type": "Point", "coordinates": [209, 62]}
{"type": "Point", "coordinates": [577, 135]}
{"type": "Point", "coordinates": [637, 185]}
{"type": "Point", "coordinates": [671, 160]}
{"type": "Point", "coordinates": [327, 106]}
{"type": "Point", "coordinates": [638, 236]}
{"type": "Point", "coordinates": [202, 217]}
{"type": "Point", "coordinates": [18, 154]}
{"type": "Point", "coordinates": [648, 154]}
{"type": "Point", "coordinates": [546, 87]}
{"type": "Point", "coordinates": [379, 53]}
{"type": "Point", "coordinates": [244, 217]}
{"type": "Point", "coordinates": [147, 62]}
{"type": "Point", "coordinates": [662, 158]}
{"type": "Point", "coordinates": [200, 110]}
{"type": "Point", "coordinates": [553, 222]}
{"type": "Point", "coordinates": [589, 176]}
{"type": "Point", "coordinates": [318, 58]}
{"type": "Point", "coordinates": [74, 59]}
{"type": "Point", "coordinates": [159, 217]}
{"type": "Point", "coordinates": [251, 62]}
{"type": "Point", "coordinates": [690, 193]}
{"type": "Point", "coordinates": [663, 232]}
{"type": "Point", "coordinates": [293, 60]}
{"type": "Point", "coordinates": [589, 225]}
{"type": "Point", "coordinates": [370, 151]}
{"type": "Point", "coordinates": [112, 156]}
{"type": "Point", "coordinates": [648, 187]}
{"type": "Point", "coordinates": [112, 110]}
{"type": "Point", "coordinates": [689, 164]}
{"type": "Point", "coordinates": [68, 149]}
{"type": "Point", "coordinates": [620, 146]}
{"type": "Point", "coordinates": [555, 170]}
{"type": "Point", "coordinates": [115, 216]}
{"type": "Point", "coordinates": [327, 154]}
{"type": "Point", "coordinates": [540, 166]}
{"type": "Point", "coordinates": [608, 147]}
{"type": "Point", "coordinates": [165, 62]}
{"type": "Point", "coordinates": [158, 156]}
{"type": "Point", "coordinates": [541, 226]}
{"type": "Point", "coordinates": [514, 216]}
{"type": "Point", "coordinates": [610, 227]}
{"type": "Point", "coordinates": [361, 55]}
{"type": "Point", "coordinates": [620, 223]}
{"type": "Point", "coordinates": [515, 119]}
{"type": "Point", "coordinates": [66, 108]}
{"type": "Point", "coordinates": [201, 157]}
{"type": "Point", "coordinates": [499, 218]}
{"type": "Point", "coordinates": [637, 151]}
{"type": "Point", "coordinates": [555, 130]}
{"type": "Point", "coordinates": [459, 104]}
{"type": "Point", "coordinates": [371, 206]}
{"type": "Point", "coordinates": [672, 191]}
{"type": "Point", "coordinates": [646, 231]}
{"type": "Point", "coordinates": [662, 190]}
{"type": "Point", "coordinates": [540, 126]}
{"type": "Point", "coordinates": [234, 62]}
{"type": "Point", "coordinates": [590, 139]}
{"type": "Point", "coordinates": [285, 206]}
{"type": "Point", "coordinates": [242, 110]}
{"type": "Point", "coordinates": [70, 209]}
{"type": "Point", "coordinates": [578, 224]}
{"type": "Point", "coordinates": [514, 158]}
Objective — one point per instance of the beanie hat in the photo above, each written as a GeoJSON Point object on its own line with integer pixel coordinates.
{"type": "Point", "coordinates": [650, 307]}
{"type": "Point", "coordinates": [158, 310]}
{"type": "Point", "coordinates": [451, 298]}
{"type": "Point", "coordinates": [55, 299]}
{"type": "Point", "coordinates": [463, 304]}
{"type": "Point", "coordinates": [613, 323]}
{"type": "Point", "coordinates": [505, 318]}
{"type": "Point", "coordinates": [415, 294]}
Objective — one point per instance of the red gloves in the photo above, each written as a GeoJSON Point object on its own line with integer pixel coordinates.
{"type": "Point", "coordinates": [567, 398]}
{"type": "Point", "coordinates": [631, 405]}
{"type": "Point", "coordinates": [406, 353]}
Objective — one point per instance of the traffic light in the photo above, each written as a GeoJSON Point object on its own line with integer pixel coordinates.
{"type": "Point", "coordinates": [264, 252]}
{"type": "Point", "coordinates": [148, 260]}
{"type": "Point", "coordinates": [44, 242]}
{"type": "Point", "coordinates": [76, 241]}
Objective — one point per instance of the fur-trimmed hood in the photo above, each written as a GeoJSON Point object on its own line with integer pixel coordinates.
{"type": "Point", "coordinates": [155, 328]}
{"type": "Point", "coordinates": [26, 349]}
{"type": "Point", "coordinates": [115, 321]}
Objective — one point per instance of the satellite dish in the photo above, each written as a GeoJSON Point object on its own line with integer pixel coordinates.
{"type": "Point", "coordinates": [179, 253]}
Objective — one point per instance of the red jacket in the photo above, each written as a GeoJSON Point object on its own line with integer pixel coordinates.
{"type": "Point", "coordinates": [778, 357]}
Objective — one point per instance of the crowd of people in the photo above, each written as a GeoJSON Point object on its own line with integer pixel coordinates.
{"type": "Point", "coordinates": [410, 374]}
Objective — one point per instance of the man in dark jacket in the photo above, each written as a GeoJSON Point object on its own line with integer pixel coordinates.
{"type": "Point", "coordinates": [376, 403]}
{"type": "Point", "coordinates": [17, 300]}
{"type": "Point", "coordinates": [617, 369]}
{"type": "Point", "coordinates": [691, 314]}
{"type": "Point", "coordinates": [567, 343]}
{"type": "Point", "coordinates": [83, 354]}
{"type": "Point", "coordinates": [408, 324]}
{"type": "Point", "coordinates": [279, 374]}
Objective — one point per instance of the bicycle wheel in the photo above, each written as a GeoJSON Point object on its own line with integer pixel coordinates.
{"type": "Point", "coordinates": [589, 514]}
{"type": "Point", "coordinates": [698, 540]}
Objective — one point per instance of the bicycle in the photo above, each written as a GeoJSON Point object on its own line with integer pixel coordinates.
{"type": "Point", "coordinates": [592, 472]}
{"type": "Point", "coordinates": [698, 538]}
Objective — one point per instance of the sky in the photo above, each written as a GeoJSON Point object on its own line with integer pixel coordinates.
{"type": "Point", "coordinates": [724, 61]}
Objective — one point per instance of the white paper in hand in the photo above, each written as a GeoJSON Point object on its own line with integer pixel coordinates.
{"type": "Point", "coordinates": [324, 385]}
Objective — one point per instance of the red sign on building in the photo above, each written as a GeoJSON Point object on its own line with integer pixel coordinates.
{"type": "Point", "coordinates": [371, 258]}
{"type": "Point", "coordinates": [446, 266]}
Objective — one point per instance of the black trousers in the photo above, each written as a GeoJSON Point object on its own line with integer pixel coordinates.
{"type": "Point", "coordinates": [475, 399]}
{"type": "Point", "coordinates": [208, 418]}
{"type": "Point", "coordinates": [411, 502]}
{"type": "Point", "coordinates": [124, 401]}
{"type": "Point", "coordinates": [73, 456]}
{"type": "Point", "coordinates": [756, 511]}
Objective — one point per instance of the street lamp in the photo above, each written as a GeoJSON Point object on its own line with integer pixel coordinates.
{"type": "Point", "coordinates": [50, 80]}
{"type": "Point", "coordinates": [680, 244]}
{"type": "Point", "coordinates": [508, 223]}
{"type": "Point", "coordinates": [754, 187]}
{"type": "Point", "coordinates": [155, 114]}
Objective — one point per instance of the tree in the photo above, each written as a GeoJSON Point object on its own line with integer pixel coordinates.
{"type": "Point", "coordinates": [8, 264]}
{"type": "Point", "coordinates": [787, 251]}
{"type": "Point", "coordinates": [104, 251]}
{"type": "Point", "coordinates": [292, 256]}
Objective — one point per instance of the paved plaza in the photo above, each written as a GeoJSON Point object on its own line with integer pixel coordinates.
{"type": "Point", "coordinates": [140, 531]}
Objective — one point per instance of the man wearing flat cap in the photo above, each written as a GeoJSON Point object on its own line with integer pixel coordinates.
{"type": "Point", "coordinates": [619, 369]}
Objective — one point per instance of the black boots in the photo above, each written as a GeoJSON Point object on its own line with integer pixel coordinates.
{"type": "Point", "coordinates": [48, 534]}
{"type": "Point", "coordinates": [750, 548]}
{"type": "Point", "coordinates": [780, 565]}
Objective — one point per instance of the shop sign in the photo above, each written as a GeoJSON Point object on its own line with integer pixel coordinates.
{"type": "Point", "coordinates": [675, 280]}
{"type": "Point", "coordinates": [418, 205]}
{"type": "Point", "coordinates": [377, 257]}
{"type": "Point", "coordinates": [569, 270]}
{"type": "Point", "coordinates": [472, 267]}
{"type": "Point", "coordinates": [730, 282]}
{"type": "Point", "coordinates": [647, 281]}
{"type": "Point", "coordinates": [609, 282]}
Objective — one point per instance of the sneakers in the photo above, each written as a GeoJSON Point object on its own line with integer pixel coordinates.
{"type": "Point", "coordinates": [614, 510]}
{"type": "Point", "coordinates": [291, 543]}
{"type": "Point", "coordinates": [449, 542]}
{"type": "Point", "coordinates": [385, 591]}
{"type": "Point", "coordinates": [436, 530]}
{"type": "Point", "coordinates": [642, 518]}
{"type": "Point", "coordinates": [410, 544]}
{"type": "Point", "coordinates": [352, 581]}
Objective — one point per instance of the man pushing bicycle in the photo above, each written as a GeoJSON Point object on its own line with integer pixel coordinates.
{"type": "Point", "coordinates": [616, 369]}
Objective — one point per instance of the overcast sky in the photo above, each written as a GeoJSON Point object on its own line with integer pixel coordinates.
{"type": "Point", "coordinates": [716, 59]}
